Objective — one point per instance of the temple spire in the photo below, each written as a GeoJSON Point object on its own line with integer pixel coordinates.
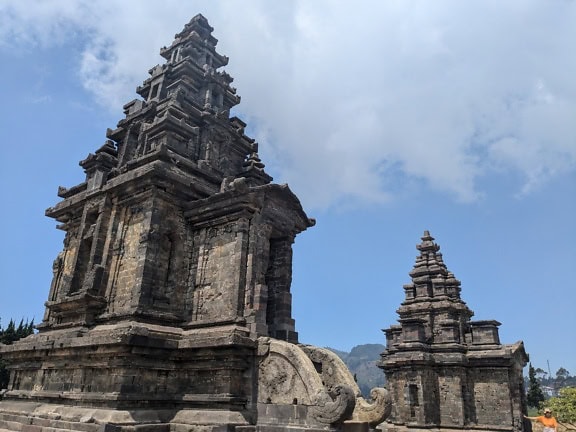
{"type": "Point", "coordinates": [430, 276]}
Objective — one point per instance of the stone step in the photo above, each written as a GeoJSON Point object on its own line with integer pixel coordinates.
{"type": "Point", "coordinates": [10, 425]}
{"type": "Point", "coordinates": [18, 423]}
{"type": "Point", "coordinates": [33, 428]}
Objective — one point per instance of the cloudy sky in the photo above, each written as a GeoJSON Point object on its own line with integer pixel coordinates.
{"type": "Point", "coordinates": [386, 118]}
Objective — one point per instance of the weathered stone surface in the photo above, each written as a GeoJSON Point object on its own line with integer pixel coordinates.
{"type": "Point", "coordinates": [444, 370]}
{"type": "Point", "coordinates": [374, 411]}
{"type": "Point", "coordinates": [291, 386]}
{"type": "Point", "coordinates": [334, 372]}
{"type": "Point", "coordinates": [334, 406]}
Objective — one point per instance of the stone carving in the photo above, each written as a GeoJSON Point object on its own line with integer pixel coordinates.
{"type": "Point", "coordinates": [374, 411]}
{"type": "Point", "coordinates": [239, 184]}
{"type": "Point", "coordinates": [333, 406]}
{"type": "Point", "coordinates": [334, 372]}
{"type": "Point", "coordinates": [286, 374]}
{"type": "Point", "coordinates": [289, 375]}
{"type": "Point", "coordinates": [331, 368]}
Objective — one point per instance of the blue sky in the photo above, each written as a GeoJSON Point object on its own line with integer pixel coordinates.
{"type": "Point", "coordinates": [386, 120]}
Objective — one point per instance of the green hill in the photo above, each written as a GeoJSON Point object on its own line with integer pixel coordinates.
{"type": "Point", "coordinates": [361, 361]}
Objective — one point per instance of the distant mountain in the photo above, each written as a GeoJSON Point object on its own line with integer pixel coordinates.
{"type": "Point", "coordinates": [361, 361]}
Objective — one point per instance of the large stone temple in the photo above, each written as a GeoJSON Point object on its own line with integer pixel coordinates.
{"type": "Point", "coordinates": [443, 370]}
{"type": "Point", "coordinates": [170, 304]}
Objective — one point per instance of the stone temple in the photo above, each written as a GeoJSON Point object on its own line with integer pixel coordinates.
{"type": "Point", "coordinates": [170, 304]}
{"type": "Point", "coordinates": [170, 307]}
{"type": "Point", "coordinates": [444, 371]}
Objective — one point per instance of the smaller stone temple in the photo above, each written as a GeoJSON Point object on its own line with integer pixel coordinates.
{"type": "Point", "coordinates": [443, 370]}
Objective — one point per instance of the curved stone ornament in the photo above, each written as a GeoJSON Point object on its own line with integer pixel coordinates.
{"type": "Point", "coordinates": [376, 411]}
{"type": "Point", "coordinates": [333, 370]}
{"type": "Point", "coordinates": [286, 375]}
{"type": "Point", "coordinates": [333, 406]}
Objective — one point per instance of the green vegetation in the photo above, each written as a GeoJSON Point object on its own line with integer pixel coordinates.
{"type": "Point", "coordinates": [9, 335]}
{"type": "Point", "coordinates": [534, 396]}
{"type": "Point", "coordinates": [564, 405]}
{"type": "Point", "coordinates": [561, 379]}
{"type": "Point", "coordinates": [562, 386]}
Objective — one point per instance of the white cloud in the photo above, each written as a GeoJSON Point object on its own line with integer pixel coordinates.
{"type": "Point", "coordinates": [350, 102]}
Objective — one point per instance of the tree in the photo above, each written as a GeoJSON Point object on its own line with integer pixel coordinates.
{"type": "Point", "coordinates": [564, 405]}
{"type": "Point", "coordinates": [9, 335]}
{"type": "Point", "coordinates": [561, 376]}
{"type": "Point", "coordinates": [542, 375]}
{"type": "Point", "coordinates": [535, 395]}
{"type": "Point", "coordinates": [12, 333]}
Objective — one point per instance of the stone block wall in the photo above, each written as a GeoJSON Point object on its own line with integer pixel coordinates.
{"type": "Point", "coordinates": [492, 398]}
{"type": "Point", "coordinates": [451, 385]}
{"type": "Point", "coordinates": [126, 365]}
